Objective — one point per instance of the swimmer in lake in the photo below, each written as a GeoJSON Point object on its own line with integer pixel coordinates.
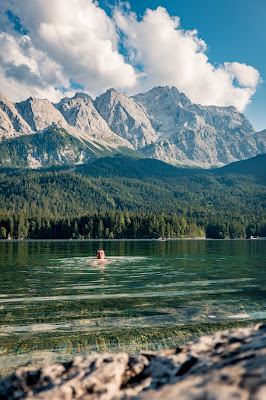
{"type": "Point", "coordinates": [100, 254]}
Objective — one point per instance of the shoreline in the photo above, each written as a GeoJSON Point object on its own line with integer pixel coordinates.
{"type": "Point", "coordinates": [127, 240]}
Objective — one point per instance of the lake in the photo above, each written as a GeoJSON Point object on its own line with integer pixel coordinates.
{"type": "Point", "coordinates": [56, 303]}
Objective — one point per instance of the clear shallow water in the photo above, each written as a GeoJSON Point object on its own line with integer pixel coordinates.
{"type": "Point", "coordinates": [56, 302]}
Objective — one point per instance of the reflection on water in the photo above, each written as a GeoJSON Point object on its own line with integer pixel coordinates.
{"type": "Point", "coordinates": [56, 301]}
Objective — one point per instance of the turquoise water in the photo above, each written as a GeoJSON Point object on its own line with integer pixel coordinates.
{"type": "Point", "coordinates": [56, 302]}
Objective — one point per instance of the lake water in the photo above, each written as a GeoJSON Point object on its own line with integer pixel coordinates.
{"type": "Point", "coordinates": [56, 303]}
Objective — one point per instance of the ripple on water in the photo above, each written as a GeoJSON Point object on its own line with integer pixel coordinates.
{"type": "Point", "coordinates": [55, 297]}
{"type": "Point", "coordinates": [120, 295]}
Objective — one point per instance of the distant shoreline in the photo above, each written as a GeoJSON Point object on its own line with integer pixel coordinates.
{"type": "Point", "coordinates": [122, 240]}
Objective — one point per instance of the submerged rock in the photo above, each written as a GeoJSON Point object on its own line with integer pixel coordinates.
{"type": "Point", "coordinates": [225, 365]}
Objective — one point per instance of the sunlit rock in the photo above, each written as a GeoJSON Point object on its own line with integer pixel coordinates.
{"type": "Point", "coordinates": [226, 365]}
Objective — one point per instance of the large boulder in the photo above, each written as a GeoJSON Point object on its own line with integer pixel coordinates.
{"type": "Point", "coordinates": [226, 365]}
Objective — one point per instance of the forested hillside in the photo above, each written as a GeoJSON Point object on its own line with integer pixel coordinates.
{"type": "Point", "coordinates": [99, 200]}
{"type": "Point", "coordinates": [53, 147]}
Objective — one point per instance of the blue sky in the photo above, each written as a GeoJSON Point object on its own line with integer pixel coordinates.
{"type": "Point", "coordinates": [51, 49]}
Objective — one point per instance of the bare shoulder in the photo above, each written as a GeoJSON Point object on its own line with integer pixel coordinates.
{"type": "Point", "coordinates": [101, 262]}
{"type": "Point", "coordinates": [108, 261]}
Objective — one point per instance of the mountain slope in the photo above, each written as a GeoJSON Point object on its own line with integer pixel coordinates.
{"type": "Point", "coordinates": [39, 117]}
{"type": "Point", "coordinates": [135, 185]}
{"type": "Point", "coordinates": [195, 134]}
{"type": "Point", "coordinates": [79, 112]}
{"type": "Point", "coordinates": [255, 166]}
{"type": "Point", "coordinates": [126, 118]}
{"type": "Point", "coordinates": [53, 147]}
{"type": "Point", "coordinates": [11, 122]}
{"type": "Point", "coordinates": [40, 114]}
{"type": "Point", "coordinates": [142, 168]}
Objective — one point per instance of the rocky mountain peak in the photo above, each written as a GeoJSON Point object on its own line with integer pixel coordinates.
{"type": "Point", "coordinates": [82, 95]}
{"type": "Point", "coordinates": [11, 122]}
{"type": "Point", "coordinates": [161, 94]}
{"type": "Point", "coordinates": [40, 114]}
{"type": "Point", "coordinates": [195, 134]}
{"type": "Point", "coordinates": [4, 100]}
{"type": "Point", "coordinates": [126, 118]}
{"type": "Point", "coordinates": [80, 112]}
{"type": "Point", "coordinates": [67, 105]}
{"type": "Point", "coordinates": [164, 105]}
{"type": "Point", "coordinates": [111, 90]}
{"type": "Point", "coordinates": [111, 96]}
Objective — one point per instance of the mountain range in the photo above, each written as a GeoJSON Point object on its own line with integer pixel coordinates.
{"type": "Point", "coordinates": [161, 123]}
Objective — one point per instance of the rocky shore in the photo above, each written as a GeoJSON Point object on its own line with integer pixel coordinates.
{"type": "Point", "coordinates": [225, 365]}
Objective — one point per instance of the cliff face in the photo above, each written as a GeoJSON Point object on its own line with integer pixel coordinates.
{"type": "Point", "coordinates": [226, 365]}
{"type": "Point", "coordinates": [126, 118]}
{"type": "Point", "coordinates": [195, 134]}
{"type": "Point", "coordinates": [11, 122]}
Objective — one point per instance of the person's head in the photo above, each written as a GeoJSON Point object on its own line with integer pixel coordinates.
{"type": "Point", "coordinates": [100, 254]}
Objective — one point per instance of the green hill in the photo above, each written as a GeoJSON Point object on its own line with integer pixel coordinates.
{"type": "Point", "coordinates": [142, 187]}
{"type": "Point", "coordinates": [132, 167]}
{"type": "Point", "coordinates": [255, 166]}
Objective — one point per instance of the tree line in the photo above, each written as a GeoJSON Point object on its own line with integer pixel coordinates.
{"type": "Point", "coordinates": [129, 225]}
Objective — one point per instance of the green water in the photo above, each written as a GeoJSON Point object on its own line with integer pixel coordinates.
{"type": "Point", "coordinates": [56, 302]}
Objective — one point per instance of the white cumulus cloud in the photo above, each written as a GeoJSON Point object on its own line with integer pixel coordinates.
{"type": "Point", "coordinates": [169, 55]}
{"type": "Point", "coordinates": [77, 38]}
{"type": "Point", "coordinates": [26, 71]}
{"type": "Point", "coordinates": [244, 74]}
{"type": "Point", "coordinates": [49, 48]}
{"type": "Point", "coordinates": [83, 39]}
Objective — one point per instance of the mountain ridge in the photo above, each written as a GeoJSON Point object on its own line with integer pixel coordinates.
{"type": "Point", "coordinates": [161, 123]}
{"type": "Point", "coordinates": [199, 135]}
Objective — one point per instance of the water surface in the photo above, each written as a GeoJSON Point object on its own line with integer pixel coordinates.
{"type": "Point", "coordinates": [56, 302]}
